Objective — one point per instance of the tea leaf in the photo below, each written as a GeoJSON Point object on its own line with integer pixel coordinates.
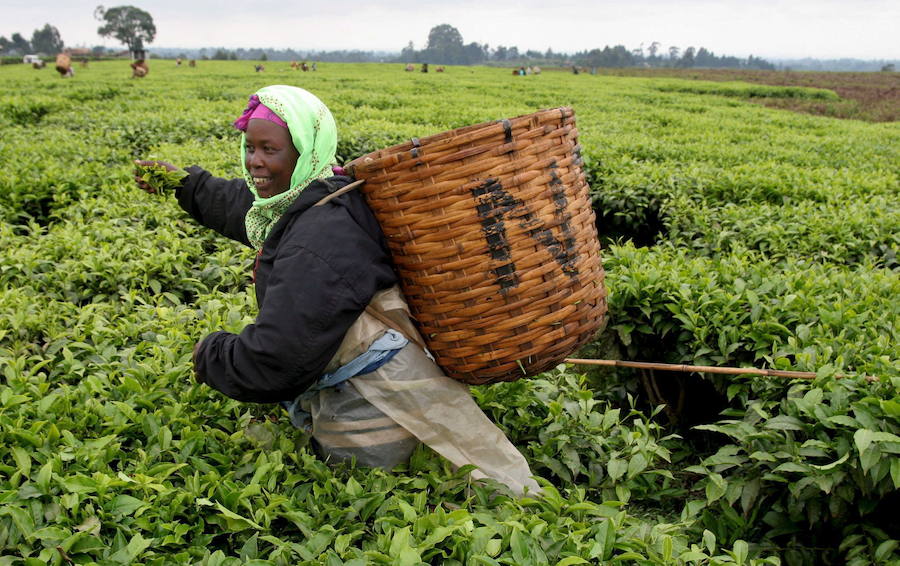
{"type": "Point", "coordinates": [124, 505]}
{"type": "Point", "coordinates": [569, 561]}
{"type": "Point", "coordinates": [135, 547]}
{"type": "Point", "coordinates": [740, 551]}
{"type": "Point", "coordinates": [709, 540]}
{"type": "Point", "coordinates": [160, 178]}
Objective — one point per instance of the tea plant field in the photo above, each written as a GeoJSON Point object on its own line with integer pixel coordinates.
{"type": "Point", "coordinates": [733, 234]}
{"type": "Point", "coordinates": [873, 97]}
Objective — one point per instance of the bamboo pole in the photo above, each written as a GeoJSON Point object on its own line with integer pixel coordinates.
{"type": "Point", "coordinates": [706, 369]}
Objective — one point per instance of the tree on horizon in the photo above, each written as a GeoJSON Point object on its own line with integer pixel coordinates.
{"type": "Point", "coordinates": [131, 26]}
{"type": "Point", "coordinates": [47, 40]}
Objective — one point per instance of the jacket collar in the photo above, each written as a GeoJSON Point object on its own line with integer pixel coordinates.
{"type": "Point", "coordinates": [316, 191]}
{"type": "Point", "coordinates": [313, 193]}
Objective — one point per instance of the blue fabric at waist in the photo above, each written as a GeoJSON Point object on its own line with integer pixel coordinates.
{"type": "Point", "coordinates": [379, 353]}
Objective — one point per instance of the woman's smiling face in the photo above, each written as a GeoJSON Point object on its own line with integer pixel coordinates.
{"type": "Point", "coordinates": [271, 157]}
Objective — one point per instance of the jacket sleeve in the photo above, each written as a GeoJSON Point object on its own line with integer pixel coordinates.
{"type": "Point", "coordinates": [308, 309]}
{"type": "Point", "coordinates": [220, 204]}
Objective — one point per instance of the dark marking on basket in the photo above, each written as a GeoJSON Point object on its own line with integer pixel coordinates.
{"type": "Point", "coordinates": [495, 206]}
{"type": "Point", "coordinates": [495, 235]}
{"type": "Point", "coordinates": [494, 230]}
{"type": "Point", "coordinates": [507, 130]}
{"type": "Point", "coordinates": [415, 148]}
{"type": "Point", "coordinates": [506, 276]}
{"type": "Point", "coordinates": [576, 151]}
{"type": "Point", "coordinates": [558, 250]}
{"type": "Point", "coordinates": [560, 202]}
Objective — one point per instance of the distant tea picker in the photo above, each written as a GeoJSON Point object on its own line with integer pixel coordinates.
{"type": "Point", "coordinates": [64, 65]}
{"type": "Point", "coordinates": [139, 69]}
{"type": "Point", "coordinates": [333, 341]}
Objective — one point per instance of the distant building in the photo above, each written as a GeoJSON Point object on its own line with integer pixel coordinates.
{"type": "Point", "coordinates": [29, 59]}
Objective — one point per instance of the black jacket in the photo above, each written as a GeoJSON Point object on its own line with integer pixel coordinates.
{"type": "Point", "coordinates": [318, 269]}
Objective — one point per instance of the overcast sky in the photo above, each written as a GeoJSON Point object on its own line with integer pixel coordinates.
{"type": "Point", "coordinates": [825, 29]}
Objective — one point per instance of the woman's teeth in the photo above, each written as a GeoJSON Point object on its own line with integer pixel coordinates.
{"type": "Point", "coordinates": [261, 180]}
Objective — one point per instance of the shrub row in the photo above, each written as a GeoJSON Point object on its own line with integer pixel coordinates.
{"type": "Point", "coordinates": [774, 243]}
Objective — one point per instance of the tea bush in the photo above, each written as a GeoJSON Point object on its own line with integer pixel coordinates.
{"type": "Point", "coordinates": [744, 90]}
{"type": "Point", "coordinates": [737, 235]}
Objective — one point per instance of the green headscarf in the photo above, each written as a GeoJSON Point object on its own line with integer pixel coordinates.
{"type": "Point", "coordinates": [314, 134]}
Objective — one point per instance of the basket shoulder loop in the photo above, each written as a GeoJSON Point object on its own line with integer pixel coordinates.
{"type": "Point", "coordinates": [339, 192]}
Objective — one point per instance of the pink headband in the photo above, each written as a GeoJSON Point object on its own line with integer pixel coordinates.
{"type": "Point", "coordinates": [257, 110]}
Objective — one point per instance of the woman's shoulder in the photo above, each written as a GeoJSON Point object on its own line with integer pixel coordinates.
{"type": "Point", "coordinates": [322, 191]}
{"type": "Point", "coordinates": [343, 219]}
{"type": "Point", "coordinates": [335, 182]}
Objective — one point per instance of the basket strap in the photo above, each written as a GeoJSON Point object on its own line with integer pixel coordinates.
{"type": "Point", "coordinates": [339, 192]}
{"type": "Point", "coordinates": [390, 324]}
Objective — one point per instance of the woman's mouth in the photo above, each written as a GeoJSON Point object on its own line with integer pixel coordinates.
{"type": "Point", "coordinates": [262, 183]}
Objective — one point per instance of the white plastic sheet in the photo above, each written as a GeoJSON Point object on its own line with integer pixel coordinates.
{"type": "Point", "coordinates": [414, 392]}
{"type": "Point", "coordinates": [439, 411]}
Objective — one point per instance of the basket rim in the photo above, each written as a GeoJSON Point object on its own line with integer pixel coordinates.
{"type": "Point", "coordinates": [564, 111]}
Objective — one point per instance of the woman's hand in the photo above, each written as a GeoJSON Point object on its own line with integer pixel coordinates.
{"type": "Point", "coordinates": [141, 183]}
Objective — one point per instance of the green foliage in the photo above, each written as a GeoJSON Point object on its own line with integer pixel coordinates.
{"type": "Point", "coordinates": [745, 90]}
{"type": "Point", "coordinates": [578, 439]}
{"type": "Point", "coordinates": [833, 444]}
{"type": "Point", "coordinates": [745, 309]}
{"type": "Point", "coordinates": [769, 239]}
{"type": "Point", "coordinates": [25, 113]}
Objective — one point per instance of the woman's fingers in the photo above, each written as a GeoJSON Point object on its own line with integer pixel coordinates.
{"type": "Point", "coordinates": [139, 163]}
{"type": "Point", "coordinates": [137, 177]}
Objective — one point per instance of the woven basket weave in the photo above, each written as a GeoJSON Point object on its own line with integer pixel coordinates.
{"type": "Point", "coordinates": [493, 236]}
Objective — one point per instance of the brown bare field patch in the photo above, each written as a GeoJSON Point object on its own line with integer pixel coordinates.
{"type": "Point", "coordinates": [873, 97]}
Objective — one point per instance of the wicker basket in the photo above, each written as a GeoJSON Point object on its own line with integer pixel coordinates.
{"type": "Point", "coordinates": [63, 63]}
{"type": "Point", "coordinates": [493, 236]}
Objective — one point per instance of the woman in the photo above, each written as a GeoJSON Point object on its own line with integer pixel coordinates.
{"type": "Point", "coordinates": [329, 305]}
